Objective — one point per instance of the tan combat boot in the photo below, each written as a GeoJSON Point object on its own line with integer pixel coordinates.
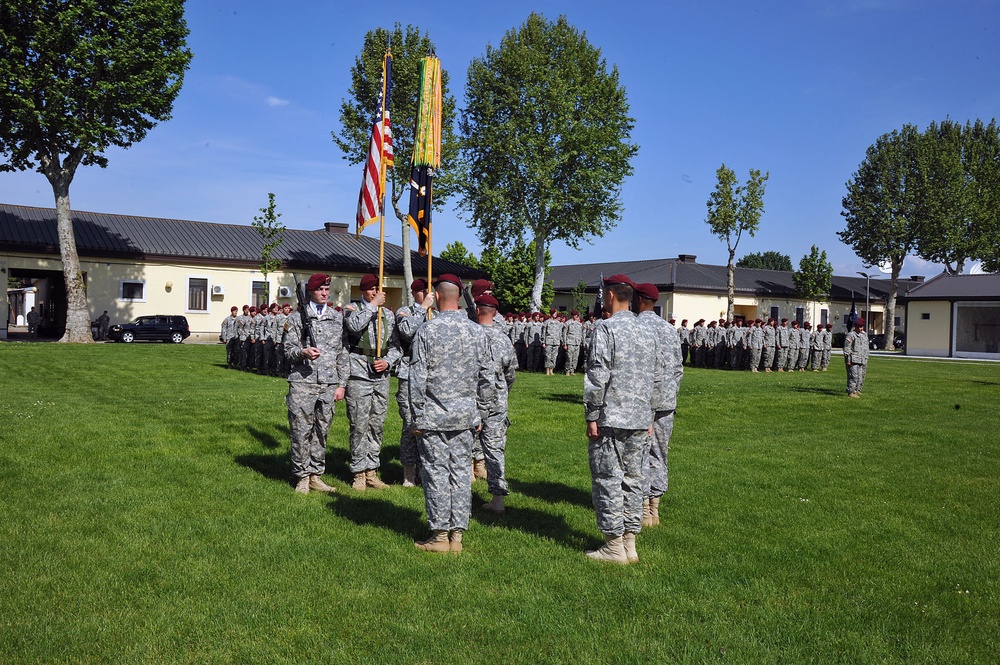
{"type": "Point", "coordinates": [647, 517]}
{"type": "Point", "coordinates": [409, 475]}
{"type": "Point", "coordinates": [438, 542]}
{"type": "Point", "coordinates": [629, 542]}
{"type": "Point", "coordinates": [359, 483]}
{"type": "Point", "coordinates": [654, 510]}
{"type": "Point", "coordinates": [373, 481]}
{"type": "Point", "coordinates": [455, 541]}
{"type": "Point", "coordinates": [495, 505]}
{"type": "Point", "coordinates": [612, 550]}
{"type": "Point", "coordinates": [302, 487]}
{"type": "Point", "coordinates": [316, 483]}
{"type": "Point", "coordinates": [479, 469]}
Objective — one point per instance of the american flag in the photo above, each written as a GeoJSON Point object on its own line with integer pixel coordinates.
{"type": "Point", "coordinates": [379, 155]}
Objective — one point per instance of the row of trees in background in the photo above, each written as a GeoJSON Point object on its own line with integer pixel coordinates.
{"type": "Point", "coordinates": [934, 193]}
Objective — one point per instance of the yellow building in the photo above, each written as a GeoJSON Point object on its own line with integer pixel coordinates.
{"type": "Point", "coordinates": [956, 316]}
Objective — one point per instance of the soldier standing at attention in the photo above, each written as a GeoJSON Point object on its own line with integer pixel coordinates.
{"type": "Point", "coordinates": [827, 346]}
{"type": "Point", "coordinates": [670, 372]}
{"type": "Point", "coordinates": [685, 336]}
{"type": "Point", "coordinates": [521, 340]}
{"type": "Point", "coordinates": [756, 344]}
{"type": "Point", "coordinates": [572, 339]}
{"type": "Point", "coordinates": [551, 340]}
{"type": "Point", "coordinates": [535, 342]}
{"type": "Point", "coordinates": [314, 345]}
{"type": "Point", "coordinates": [228, 336]}
{"type": "Point", "coordinates": [793, 347]}
{"type": "Point", "coordinates": [856, 358]}
{"type": "Point", "coordinates": [770, 335]}
{"type": "Point", "coordinates": [451, 388]}
{"type": "Point", "coordinates": [243, 337]}
{"type": "Point", "coordinates": [409, 318]}
{"type": "Point", "coordinates": [816, 347]}
{"type": "Point", "coordinates": [493, 435]}
{"type": "Point", "coordinates": [805, 336]}
{"type": "Point", "coordinates": [617, 401]}
{"type": "Point", "coordinates": [781, 345]}
{"type": "Point", "coordinates": [368, 387]}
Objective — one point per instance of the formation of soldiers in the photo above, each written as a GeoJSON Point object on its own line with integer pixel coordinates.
{"type": "Point", "coordinates": [553, 342]}
{"type": "Point", "coordinates": [757, 346]}
{"type": "Point", "coordinates": [254, 338]}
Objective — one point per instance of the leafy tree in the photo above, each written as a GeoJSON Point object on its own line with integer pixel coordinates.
{"type": "Point", "coordinates": [766, 261]}
{"type": "Point", "coordinates": [78, 78]}
{"type": "Point", "coordinates": [457, 253]}
{"type": "Point", "coordinates": [881, 205]}
{"type": "Point", "coordinates": [512, 275]}
{"type": "Point", "coordinates": [733, 209]}
{"type": "Point", "coordinates": [959, 193]}
{"type": "Point", "coordinates": [545, 142]}
{"type": "Point", "coordinates": [272, 235]}
{"type": "Point", "coordinates": [358, 111]}
{"type": "Point", "coordinates": [580, 298]}
{"type": "Point", "coordinates": [812, 279]}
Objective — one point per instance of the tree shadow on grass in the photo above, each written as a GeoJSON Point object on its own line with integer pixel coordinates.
{"type": "Point", "coordinates": [553, 492]}
{"type": "Point", "coordinates": [534, 522]}
{"type": "Point", "coordinates": [379, 512]}
{"type": "Point", "coordinates": [271, 466]}
{"type": "Point", "coordinates": [572, 398]}
{"type": "Point", "coordinates": [821, 391]}
{"type": "Point", "coordinates": [267, 439]}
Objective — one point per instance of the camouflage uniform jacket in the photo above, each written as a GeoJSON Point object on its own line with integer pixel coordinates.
{"type": "Point", "coordinates": [781, 340]}
{"type": "Point", "coordinates": [756, 337]}
{"type": "Point", "coordinates": [668, 357]}
{"type": "Point", "coordinates": [534, 333]}
{"type": "Point", "coordinates": [793, 338]}
{"type": "Point", "coordinates": [856, 348]}
{"type": "Point", "coordinates": [504, 363]}
{"type": "Point", "coordinates": [270, 327]}
{"type": "Point", "coordinates": [408, 319]}
{"type": "Point", "coordinates": [572, 333]}
{"type": "Point", "coordinates": [618, 387]}
{"type": "Point", "coordinates": [770, 333]}
{"type": "Point", "coordinates": [257, 327]}
{"type": "Point", "coordinates": [333, 365]}
{"type": "Point", "coordinates": [361, 335]}
{"type": "Point", "coordinates": [552, 332]}
{"type": "Point", "coordinates": [451, 376]}
{"type": "Point", "coordinates": [228, 328]}
{"type": "Point", "coordinates": [816, 340]}
{"type": "Point", "coordinates": [827, 340]}
{"type": "Point", "coordinates": [699, 334]}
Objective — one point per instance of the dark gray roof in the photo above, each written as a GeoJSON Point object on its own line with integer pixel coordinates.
{"type": "Point", "coordinates": [957, 287]}
{"type": "Point", "coordinates": [27, 229]}
{"type": "Point", "coordinates": [688, 276]}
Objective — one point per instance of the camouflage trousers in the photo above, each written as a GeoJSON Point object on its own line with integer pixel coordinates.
{"type": "Point", "coordinates": [493, 439]}
{"type": "Point", "coordinates": [407, 442]}
{"type": "Point", "coordinates": [310, 412]}
{"type": "Point", "coordinates": [572, 358]}
{"type": "Point", "coordinates": [534, 357]}
{"type": "Point", "coordinates": [233, 352]}
{"type": "Point", "coordinates": [445, 459]}
{"type": "Point", "coordinates": [768, 357]}
{"type": "Point", "coordinates": [654, 467]}
{"type": "Point", "coordinates": [616, 458]}
{"type": "Point", "coordinates": [803, 358]}
{"type": "Point", "coordinates": [781, 357]}
{"type": "Point", "coordinates": [477, 447]}
{"type": "Point", "coordinates": [793, 359]}
{"type": "Point", "coordinates": [817, 358]}
{"type": "Point", "coordinates": [856, 378]}
{"type": "Point", "coordinates": [826, 358]}
{"type": "Point", "coordinates": [551, 354]}
{"type": "Point", "coordinates": [246, 354]}
{"type": "Point", "coordinates": [755, 358]}
{"type": "Point", "coordinates": [367, 404]}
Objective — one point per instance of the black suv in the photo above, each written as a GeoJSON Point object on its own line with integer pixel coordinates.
{"type": "Point", "coordinates": [160, 327]}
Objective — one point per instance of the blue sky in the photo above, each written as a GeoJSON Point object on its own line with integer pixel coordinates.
{"type": "Point", "coordinates": [799, 89]}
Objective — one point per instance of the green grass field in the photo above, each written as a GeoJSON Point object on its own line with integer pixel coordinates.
{"type": "Point", "coordinates": [146, 516]}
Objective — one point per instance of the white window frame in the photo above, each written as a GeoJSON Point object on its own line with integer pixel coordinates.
{"type": "Point", "coordinates": [187, 294]}
{"type": "Point", "coordinates": [121, 290]}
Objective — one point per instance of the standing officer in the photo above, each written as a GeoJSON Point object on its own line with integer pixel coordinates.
{"type": "Point", "coordinates": [493, 435]}
{"type": "Point", "coordinates": [314, 345]}
{"type": "Point", "coordinates": [409, 318]}
{"type": "Point", "coordinates": [781, 345]}
{"type": "Point", "coordinates": [794, 339]}
{"type": "Point", "coordinates": [617, 400]}
{"type": "Point", "coordinates": [756, 344]}
{"type": "Point", "coordinates": [770, 340]}
{"type": "Point", "coordinates": [228, 336]}
{"type": "Point", "coordinates": [572, 339]}
{"type": "Point", "coordinates": [534, 334]}
{"type": "Point", "coordinates": [551, 341]}
{"type": "Point", "coordinates": [856, 358]}
{"type": "Point", "coordinates": [451, 387]}
{"type": "Point", "coordinates": [368, 387]}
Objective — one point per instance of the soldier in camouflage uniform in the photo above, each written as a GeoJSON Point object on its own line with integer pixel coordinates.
{"type": "Point", "coordinates": [572, 339]}
{"type": "Point", "coordinates": [770, 339]}
{"type": "Point", "coordinates": [409, 318]}
{"type": "Point", "coordinates": [520, 340]}
{"type": "Point", "coordinates": [827, 346]}
{"type": "Point", "coordinates": [698, 335]}
{"type": "Point", "coordinates": [316, 381]}
{"type": "Point", "coordinates": [534, 334]}
{"type": "Point", "coordinates": [551, 340]}
{"type": "Point", "coordinates": [793, 347]}
{"type": "Point", "coordinates": [243, 338]}
{"type": "Point", "coordinates": [856, 358]}
{"type": "Point", "coordinates": [229, 337]}
{"type": "Point", "coordinates": [617, 399]}
{"type": "Point", "coordinates": [756, 344]}
{"type": "Point", "coordinates": [286, 310]}
{"type": "Point", "coordinates": [368, 387]}
{"type": "Point", "coordinates": [270, 366]}
{"type": "Point", "coordinates": [493, 435]}
{"type": "Point", "coordinates": [816, 347]}
{"type": "Point", "coordinates": [450, 389]}
{"type": "Point", "coordinates": [685, 336]}
{"type": "Point", "coordinates": [667, 355]}
{"type": "Point", "coordinates": [781, 345]}
{"type": "Point", "coordinates": [805, 335]}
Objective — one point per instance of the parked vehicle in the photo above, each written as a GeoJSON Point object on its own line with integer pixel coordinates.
{"type": "Point", "coordinates": [161, 328]}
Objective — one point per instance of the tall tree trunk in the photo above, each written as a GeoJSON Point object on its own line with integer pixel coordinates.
{"type": "Point", "coordinates": [730, 284]}
{"type": "Point", "coordinates": [77, 314]}
{"type": "Point", "coordinates": [890, 306]}
{"type": "Point", "coordinates": [536, 287]}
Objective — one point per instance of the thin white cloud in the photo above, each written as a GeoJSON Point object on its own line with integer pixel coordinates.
{"type": "Point", "coordinates": [273, 101]}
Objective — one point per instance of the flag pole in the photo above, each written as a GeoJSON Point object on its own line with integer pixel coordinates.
{"type": "Point", "coordinates": [381, 204]}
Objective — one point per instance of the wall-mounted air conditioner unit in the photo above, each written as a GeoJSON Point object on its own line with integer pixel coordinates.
{"type": "Point", "coordinates": [218, 290]}
{"type": "Point", "coordinates": [284, 292]}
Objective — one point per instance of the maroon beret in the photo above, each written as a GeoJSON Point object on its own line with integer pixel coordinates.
{"type": "Point", "coordinates": [419, 284]}
{"type": "Point", "coordinates": [480, 286]}
{"type": "Point", "coordinates": [859, 322]}
{"type": "Point", "coordinates": [234, 308]}
{"type": "Point", "coordinates": [784, 321]}
{"type": "Point", "coordinates": [253, 308]}
{"type": "Point", "coordinates": [368, 281]}
{"type": "Point", "coordinates": [274, 304]}
{"type": "Point", "coordinates": [618, 278]}
{"type": "Point", "coordinates": [671, 321]}
{"type": "Point", "coordinates": [647, 290]}
{"type": "Point", "coordinates": [487, 301]}
{"type": "Point", "coordinates": [574, 312]}
{"type": "Point", "coordinates": [317, 280]}
{"type": "Point", "coordinates": [448, 277]}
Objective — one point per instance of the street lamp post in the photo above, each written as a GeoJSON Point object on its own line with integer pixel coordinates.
{"type": "Point", "coordinates": [868, 297]}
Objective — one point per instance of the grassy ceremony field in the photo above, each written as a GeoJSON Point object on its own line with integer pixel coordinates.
{"type": "Point", "coordinates": [147, 517]}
